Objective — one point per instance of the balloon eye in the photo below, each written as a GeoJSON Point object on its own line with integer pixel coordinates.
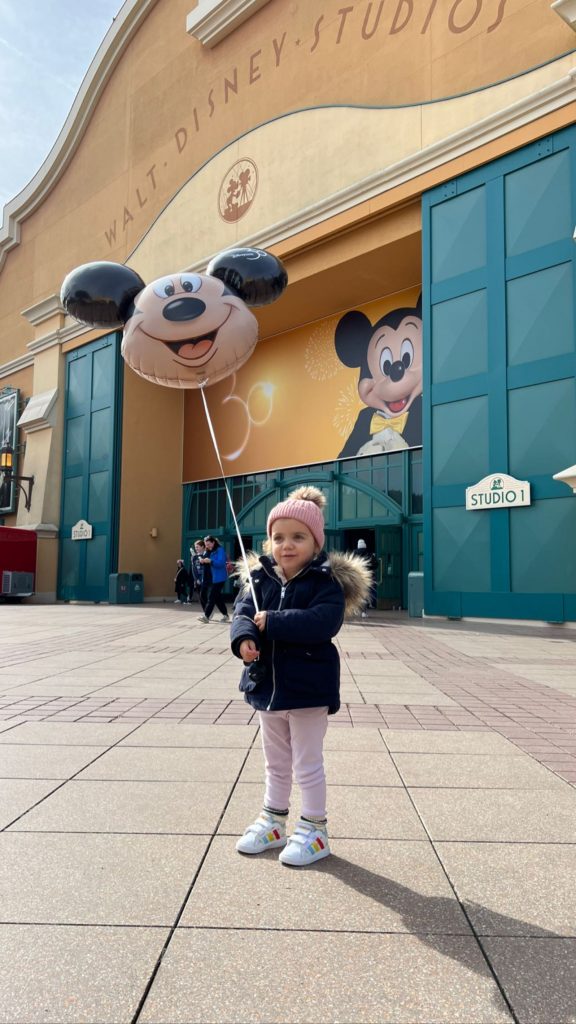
{"type": "Point", "coordinates": [164, 287]}
{"type": "Point", "coordinates": [386, 362]}
{"type": "Point", "coordinates": [407, 352]}
{"type": "Point", "coordinates": [191, 283]}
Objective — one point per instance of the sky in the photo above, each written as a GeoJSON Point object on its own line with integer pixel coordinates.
{"type": "Point", "coordinates": [46, 47]}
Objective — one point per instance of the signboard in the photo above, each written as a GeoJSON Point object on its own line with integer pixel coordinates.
{"type": "Point", "coordinates": [8, 417]}
{"type": "Point", "coordinates": [497, 491]}
{"type": "Point", "coordinates": [82, 530]}
{"type": "Point", "coordinates": [342, 387]}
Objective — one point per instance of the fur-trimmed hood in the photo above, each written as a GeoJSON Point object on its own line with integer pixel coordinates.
{"type": "Point", "coordinates": [349, 570]}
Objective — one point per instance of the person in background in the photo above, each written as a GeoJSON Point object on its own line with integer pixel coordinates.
{"type": "Point", "coordinates": [216, 561]}
{"type": "Point", "coordinates": [198, 552]}
{"type": "Point", "coordinates": [181, 581]}
{"type": "Point", "coordinates": [372, 563]}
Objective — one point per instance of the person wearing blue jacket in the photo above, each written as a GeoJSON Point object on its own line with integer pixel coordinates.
{"type": "Point", "coordinates": [291, 667]}
{"type": "Point", "coordinates": [216, 559]}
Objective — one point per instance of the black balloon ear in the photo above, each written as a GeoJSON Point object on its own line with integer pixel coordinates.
{"type": "Point", "coordinates": [101, 294]}
{"type": "Point", "coordinates": [419, 306]}
{"type": "Point", "coordinates": [256, 276]}
{"type": "Point", "coordinates": [351, 339]}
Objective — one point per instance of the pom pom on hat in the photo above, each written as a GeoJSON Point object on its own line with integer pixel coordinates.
{"type": "Point", "coordinates": [304, 504]}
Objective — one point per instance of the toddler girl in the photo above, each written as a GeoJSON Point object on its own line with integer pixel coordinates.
{"type": "Point", "coordinates": [292, 668]}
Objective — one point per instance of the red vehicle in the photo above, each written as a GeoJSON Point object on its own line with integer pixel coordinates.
{"type": "Point", "coordinates": [17, 562]}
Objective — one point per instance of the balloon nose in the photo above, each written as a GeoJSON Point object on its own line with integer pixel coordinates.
{"type": "Point", "coordinates": [183, 309]}
{"type": "Point", "coordinates": [397, 371]}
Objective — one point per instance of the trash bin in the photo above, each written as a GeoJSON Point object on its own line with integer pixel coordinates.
{"type": "Point", "coordinates": [119, 588]}
{"type": "Point", "coordinates": [415, 594]}
{"type": "Point", "coordinates": [136, 588]}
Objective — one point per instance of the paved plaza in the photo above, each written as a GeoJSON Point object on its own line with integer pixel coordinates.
{"type": "Point", "coordinates": [129, 765]}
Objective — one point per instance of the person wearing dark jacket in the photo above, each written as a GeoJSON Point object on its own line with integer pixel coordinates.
{"type": "Point", "coordinates": [197, 571]}
{"type": "Point", "coordinates": [216, 561]}
{"type": "Point", "coordinates": [181, 582]}
{"type": "Point", "coordinates": [372, 562]}
{"type": "Point", "coordinates": [291, 667]}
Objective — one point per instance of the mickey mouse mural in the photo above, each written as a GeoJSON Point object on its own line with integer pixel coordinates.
{"type": "Point", "coordinates": [184, 330]}
{"type": "Point", "coordinates": [389, 355]}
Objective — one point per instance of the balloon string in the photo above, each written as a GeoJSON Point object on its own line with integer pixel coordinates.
{"type": "Point", "coordinates": [238, 534]}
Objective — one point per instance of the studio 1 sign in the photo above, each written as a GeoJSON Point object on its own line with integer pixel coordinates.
{"type": "Point", "coordinates": [497, 491]}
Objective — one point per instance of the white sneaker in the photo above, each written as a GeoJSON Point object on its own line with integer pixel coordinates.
{"type": "Point", "coordinates": [266, 833]}
{"type": "Point", "coordinates": [202, 618]}
{"type": "Point", "coordinates": [224, 618]}
{"type": "Point", "coordinates": [307, 844]}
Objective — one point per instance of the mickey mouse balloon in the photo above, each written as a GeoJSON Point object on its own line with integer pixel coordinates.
{"type": "Point", "coordinates": [185, 330]}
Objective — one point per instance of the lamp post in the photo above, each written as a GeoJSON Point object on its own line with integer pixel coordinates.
{"type": "Point", "coordinates": [6, 467]}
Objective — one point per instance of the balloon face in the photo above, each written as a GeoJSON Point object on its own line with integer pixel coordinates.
{"type": "Point", "coordinates": [185, 330]}
{"type": "Point", "coordinates": [188, 330]}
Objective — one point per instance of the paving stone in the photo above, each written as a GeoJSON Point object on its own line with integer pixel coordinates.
{"type": "Point", "coordinates": [474, 771]}
{"type": "Point", "coordinates": [520, 889]}
{"type": "Point", "coordinates": [368, 812]}
{"type": "Point", "coordinates": [352, 739]}
{"type": "Point", "coordinates": [71, 975]}
{"type": "Point", "coordinates": [391, 979]}
{"type": "Point", "coordinates": [95, 879]}
{"type": "Point", "coordinates": [66, 734]}
{"type": "Point", "coordinates": [538, 977]}
{"type": "Point", "coordinates": [18, 795]}
{"type": "Point", "coordinates": [44, 762]}
{"type": "Point", "coordinates": [426, 742]}
{"type": "Point", "coordinates": [151, 807]}
{"type": "Point", "coordinates": [498, 815]}
{"type": "Point", "coordinates": [369, 886]}
{"type": "Point", "coordinates": [343, 767]}
{"type": "Point", "coordinates": [156, 734]}
{"type": "Point", "coordinates": [168, 763]}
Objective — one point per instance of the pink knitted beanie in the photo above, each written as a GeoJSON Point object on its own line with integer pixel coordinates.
{"type": "Point", "coordinates": [304, 504]}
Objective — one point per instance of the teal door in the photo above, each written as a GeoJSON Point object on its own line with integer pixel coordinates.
{"type": "Point", "coordinates": [389, 571]}
{"type": "Point", "coordinates": [90, 484]}
{"type": "Point", "coordinates": [499, 290]}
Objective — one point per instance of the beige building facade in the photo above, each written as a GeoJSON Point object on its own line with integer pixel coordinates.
{"type": "Point", "coordinates": [312, 130]}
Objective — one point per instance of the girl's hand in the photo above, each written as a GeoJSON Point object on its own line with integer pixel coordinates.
{"type": "Point", "coordinates": [248, 651]}
{"type": "Point", "coordinates": [260, 620]}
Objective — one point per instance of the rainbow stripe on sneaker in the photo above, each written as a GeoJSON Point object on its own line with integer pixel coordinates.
{"type": "Point", "coordinates": [316, 846]}
{"type": "Point", "coordinates": [272, 836]}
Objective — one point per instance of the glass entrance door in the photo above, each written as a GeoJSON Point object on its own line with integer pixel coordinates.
{"type": "Point", "coordinates": [389, 571]}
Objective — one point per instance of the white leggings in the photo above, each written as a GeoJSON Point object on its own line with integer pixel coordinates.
{"type": "Point", "coordinates": [292, 740]}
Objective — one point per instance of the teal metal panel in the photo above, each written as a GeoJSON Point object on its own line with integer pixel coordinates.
{"type": "Point", "coordinates": [461, 550]}
{"type": "Point", "coordinates": [460, 329]}
{"type": "Point", "coordinates": [466, 461]}
{"type": "Point", "coordinates": [542, 428]}
{"type": "Point", "coordinates": [538, 204]}
{"type": "Point", "coordinates": [543, 546]}
{"type": "Point", "coordinates": [500, 382]}
{"type": "Point", "coordinates": [453, 224]}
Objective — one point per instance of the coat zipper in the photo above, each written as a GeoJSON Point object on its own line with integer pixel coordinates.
{"type": "Point", "coordinates": [284, 587]}
{"type": "Point", "coordinates": [269, 708]}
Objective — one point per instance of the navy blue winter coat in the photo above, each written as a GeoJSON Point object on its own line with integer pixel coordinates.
{"type": "Point", "coordinates": [299, 665]}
